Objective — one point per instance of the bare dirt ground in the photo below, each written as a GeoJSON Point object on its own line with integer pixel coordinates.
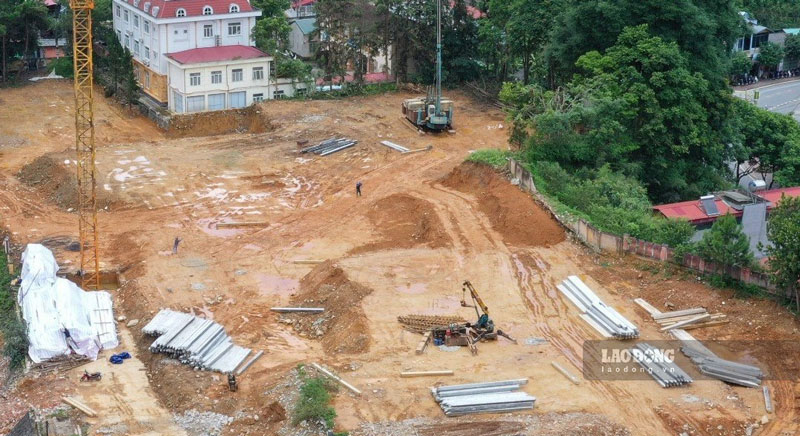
{"type": "Point", "coordinates": [425, 223]}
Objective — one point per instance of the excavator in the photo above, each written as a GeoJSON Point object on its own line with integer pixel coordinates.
{"type": "Point", "coordinates": [468, 334]}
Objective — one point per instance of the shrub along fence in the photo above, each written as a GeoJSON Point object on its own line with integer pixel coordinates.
{"type": "Point", "coordinates": [610, 243]}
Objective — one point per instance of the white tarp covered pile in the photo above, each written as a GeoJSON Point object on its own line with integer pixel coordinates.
{"type": "Point", "coordinates": [50, 305]}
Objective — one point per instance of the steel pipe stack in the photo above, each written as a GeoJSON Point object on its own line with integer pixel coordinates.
{"type": "Point", "coordinates": [198, 342]}
{"type": "Point", "coordinates": [491, 397]}
{"type": "Point", "coordinates": [725, 370]}
{"type": "Point", "coordinates": [330, 146]}
{"type": "Point", "coordinates": [663, 371]}
{"type": "Point", "coordinates": [597, 313]}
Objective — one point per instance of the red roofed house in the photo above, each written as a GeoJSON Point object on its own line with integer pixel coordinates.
{"type": "Point", "coordinates": [700, 212]}
{"type": "Point", "coordinates": [196, 55]}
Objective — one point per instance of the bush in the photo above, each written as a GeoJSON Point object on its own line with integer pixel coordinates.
{"type": "Point", "coordinates": [15, 339]}
{"type": "Point", "coordinates": [63, 67]}
{"type": "Point", "coordinates": [726, 244]}
{"type": "Point", "coordinates": [313, 403]}
{"type": "Point", "coordinates": [492, 157]}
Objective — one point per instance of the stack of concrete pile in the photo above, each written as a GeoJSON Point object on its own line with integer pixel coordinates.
{"type": "Point", "coordinates": [599, 315]}
{"type": "Point", "coordinates": [330, 146]}
{"type": "Point", "coordinates": [662, 369]}
{"type": "Point", "coordinates": [491, 397]}
{"type": "Point", "coordinates": [394, 146]}
{"type": "Point", "coordinates": [725, 370]}
{"type": "Point", "coordinates": [194, 341]}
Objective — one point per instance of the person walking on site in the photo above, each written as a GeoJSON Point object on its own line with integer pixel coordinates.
{"type": "Point", "coordinates": [358, 189]}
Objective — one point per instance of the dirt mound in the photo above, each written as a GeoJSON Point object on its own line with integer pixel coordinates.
{"type": "Point", "coordinates": [404, 221]}
{"type": "Point", "coordinates": [343, 326]}
{"type": "Point", "coordinates": [252, 119]}
{"type": "Point", "coordinates": [57, 181]}
{"type": "Point", "coordinates": [513, 213]}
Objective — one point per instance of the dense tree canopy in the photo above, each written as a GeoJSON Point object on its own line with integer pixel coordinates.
{"type": "Point", "coordinates": [726, 244]}
{"type": "Point", "coordinates": [783, 230]}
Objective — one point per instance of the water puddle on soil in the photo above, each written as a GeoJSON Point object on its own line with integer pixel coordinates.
{"type": "Point", "coordinates": [274, 285]}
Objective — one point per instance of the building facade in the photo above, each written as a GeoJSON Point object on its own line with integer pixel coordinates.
{"type": "Point", "coordinates": [159, 33]}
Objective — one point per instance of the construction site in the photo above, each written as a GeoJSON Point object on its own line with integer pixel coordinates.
{"type": "Point", "coordinates": [244, 224]}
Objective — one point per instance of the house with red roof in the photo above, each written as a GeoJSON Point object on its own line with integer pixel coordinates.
{"type": "Point", "coordinates": [705, 210]}
{"type": "Point", "coordinates": [196, 55]}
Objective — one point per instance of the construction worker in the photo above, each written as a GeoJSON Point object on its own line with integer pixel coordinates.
{"type": "Point", "coordinates": [175, 245]}
{"type": "Point", "coordinates": [358, 189]}
{"type": "Point", "coordinates": [232, 385]}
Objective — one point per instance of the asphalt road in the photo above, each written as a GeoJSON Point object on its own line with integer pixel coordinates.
{"type": "Point", "coordinates": [783, 98]}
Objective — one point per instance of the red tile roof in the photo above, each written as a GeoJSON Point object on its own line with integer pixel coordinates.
{"type": "Point", "coordinates": [193, 8]}
{"type": "Point", "coordinates": [299, 3]}
{"type": "Point", "coordinates": [216, 54]}
{"type": "Point", "coordinates": [694, 212]}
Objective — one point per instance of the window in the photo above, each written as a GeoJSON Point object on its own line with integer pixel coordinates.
{"type": "Point", "coordinates": [155, 58]}
{"type": "Point", "coordinates": [135, 3]}
{"type": "Point", "coordinates": [216, 102]}
{"type": "Point", "coordinates": [207, 10]}
{"type": "Point", "coordinates": [258, 97]}
{"type": "Point", "coordinates": [177, 101]}
{"type": "Point", "coordinates": [147, 6]}
{"type": "Point", "coordinates": [258, 73]}
{"type": "Point", "coordinates": [194, 79]}
{"type": "Point", "coordinates": [271, 69]}
{"type": "Point", "coordinates": [126, 15]}
{"type": "Point", "coordinates": [300, 91]}
{"type": "Point", "coordinates": [236, 75]}
{"type": "Point", "coordinates": [118, 10]}
{"type": "Point", "coordinates": [233, 9]}
{"type": "Point", "coordinates": [135, 21]}
{"type": "Point", "coordinates": [208, 31]}
{"type": "Point", "coordinates": [216, 77]}
{"type": "Point", "coordinates": [180, 12]}
{"type": "Point", "coordinates": [147, 53]}
{"type": "Point", "coordinates": [195, 104]}
{"type": "Point", "coordinates": [127, 42]}
{"type": "Point", "coordinates": [277, 95]}
{"type": "Point", "coordinates": [238, 99]}
{"type": "Point", "coordinates": [136, 47]}
{"type": "Point", "coordinates": [146, 26]}
{"type": "Point", "coordinates": [119, 36]}
{"type": "Point", "coordinates": [234, 28]}
{"type": "Point", "coordinates": [147, 79]}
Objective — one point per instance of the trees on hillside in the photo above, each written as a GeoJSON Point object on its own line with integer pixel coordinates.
{"type": "Point", "coordinates": [726, 244]}
{"type": "Point", "coordinates": [783, 231]}
{"type": "Point", "coordinates": [20, 24]}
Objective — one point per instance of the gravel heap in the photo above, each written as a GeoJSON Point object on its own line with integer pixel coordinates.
{"type": "Point", "coordinates": [202, 423]}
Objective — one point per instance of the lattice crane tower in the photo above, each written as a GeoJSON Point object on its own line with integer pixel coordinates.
{"type": "Point", "coordinates": [84, 141]}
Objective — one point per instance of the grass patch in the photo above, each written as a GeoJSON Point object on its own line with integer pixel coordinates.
{"type": "Point", "coordinates": [63, 67]}
{"type": "Point", "coordinates": [15, 340]}
{"type": "Point", "coordinates": [313, 404]}
{"type": "Point", "coordinates": [492, 157]}
{"type": "Point", "coordinates": [351, 90]}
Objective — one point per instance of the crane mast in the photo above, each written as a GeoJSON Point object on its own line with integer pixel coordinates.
{"type": "Point", "coordinates": [84, 141]}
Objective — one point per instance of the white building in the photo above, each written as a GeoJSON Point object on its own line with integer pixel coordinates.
{"type": "Point", "coordinates": [174, 41]}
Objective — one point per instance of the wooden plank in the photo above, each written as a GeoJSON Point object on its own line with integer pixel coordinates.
{"type": "Point", "coordinates": [692, 311]}
{"type": "Point", "coordinates": [339, 380]}
{"type": "Point", "coordinates": [407, 374]}
{"type": "Point", "coordinates": [686, 322]}
{"type": "Point", "coordinates": [767, 399]}
{"type": "Point", "coordinates": [79, 405]}
{"type": "Point", "coordinates": [705, 324]}
{"type": "Point", "coordinates": [566, 373]}
{"type": "Point", "coordinates": [428, 148]}
{"type": "Point", "coordinates": [242, 224]}
{"type": "Point", "coordinates": [666, 322]}
{"type": "Point", "coordinates": [423, 343]}
{"type": "Point", "coordinates": [647, 306]}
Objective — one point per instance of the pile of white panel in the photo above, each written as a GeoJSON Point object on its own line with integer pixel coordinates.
{"type": "Point", "coordinates": [725, 370]}
{"type": "Point", "coordinates": [598, 314]}
{"type": "Point", "coordinates": [194, 341]}
{"type": "Point", "coordinates": [491, 397]}
{"type": "Point", "coordinates": [394, 146]}
{"type": "Point", "coordinates": [658, 366]}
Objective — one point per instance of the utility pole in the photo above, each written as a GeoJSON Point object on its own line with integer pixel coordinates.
{"type": "Point", "coordinates": [438, 57]}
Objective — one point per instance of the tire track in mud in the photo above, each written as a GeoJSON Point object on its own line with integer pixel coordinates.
{"type": "Point", "coordinates": [565, 335]}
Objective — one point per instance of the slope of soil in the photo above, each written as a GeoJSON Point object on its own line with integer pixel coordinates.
{"type": "Point", "coordinates": [57, 182]}
{"type": "Point", "coordinates": [252, 119]}
{"type": "Point", "coordinates": [513, 213]}
{"type": "Point", "coordinates": [404, 221]}
{"type": "Point", "coordinates": [343, 326]}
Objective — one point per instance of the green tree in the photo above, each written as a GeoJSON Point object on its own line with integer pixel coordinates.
{"type": "Point", "coordinates": [740, 64]}
{"type": "Point", "coordinates": [770, 55]}
{"type": "Point", "coordinates": [272, 29]}
{"type": "Point", "coordinates": [130, 88]}
{"type": "Point", "coordinates": [528, 28]}
{"type": "Point", "coordinates": [791, 48]}
{"type": "Point", "coordinates": [783, 231]}
{"type": "Point", "coordinates": [726, 244]}
{"type": "Point", "coordinates": [21, 21]}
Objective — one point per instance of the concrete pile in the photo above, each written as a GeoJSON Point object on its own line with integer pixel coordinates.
{"type": "Point", "coordinates": [330, 146]}
{"type": "Point", "coordinates": [394, 146]}
{"type": "Point", "coordinates": [725, 370]}
{"type": "Point", "coordinates": [663, 370]}
{"type": "Point", "coordinates": [491, 397]}
{"type": "Point", "coordinates": [598, 314]}
{"type": "Point", "coordinates": [198, 342]}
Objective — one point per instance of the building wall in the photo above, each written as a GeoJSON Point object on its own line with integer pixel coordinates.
{"type": "Point", "coordinates": [157, 84]}
{"type": "Point", "coordinates": [299, 42]}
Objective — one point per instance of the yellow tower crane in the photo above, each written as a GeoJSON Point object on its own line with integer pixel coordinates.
{"type": "Point", "coordinates": [84, 141]}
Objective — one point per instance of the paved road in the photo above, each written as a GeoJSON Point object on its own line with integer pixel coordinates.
{"type": "Point", "coordinates": [783, 98]}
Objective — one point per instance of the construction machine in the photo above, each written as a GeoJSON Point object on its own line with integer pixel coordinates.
{"type": "Point", "coordinates": [432, 112]}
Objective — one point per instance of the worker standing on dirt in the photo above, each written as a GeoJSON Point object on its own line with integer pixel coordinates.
{"type": "Point", "coordinates": [175, 245]}
{"type": "Point", "coordinates": [358, 189]}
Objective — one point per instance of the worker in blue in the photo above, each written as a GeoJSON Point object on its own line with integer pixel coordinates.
{"type": "Point", "coordinates": [358, 189]}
